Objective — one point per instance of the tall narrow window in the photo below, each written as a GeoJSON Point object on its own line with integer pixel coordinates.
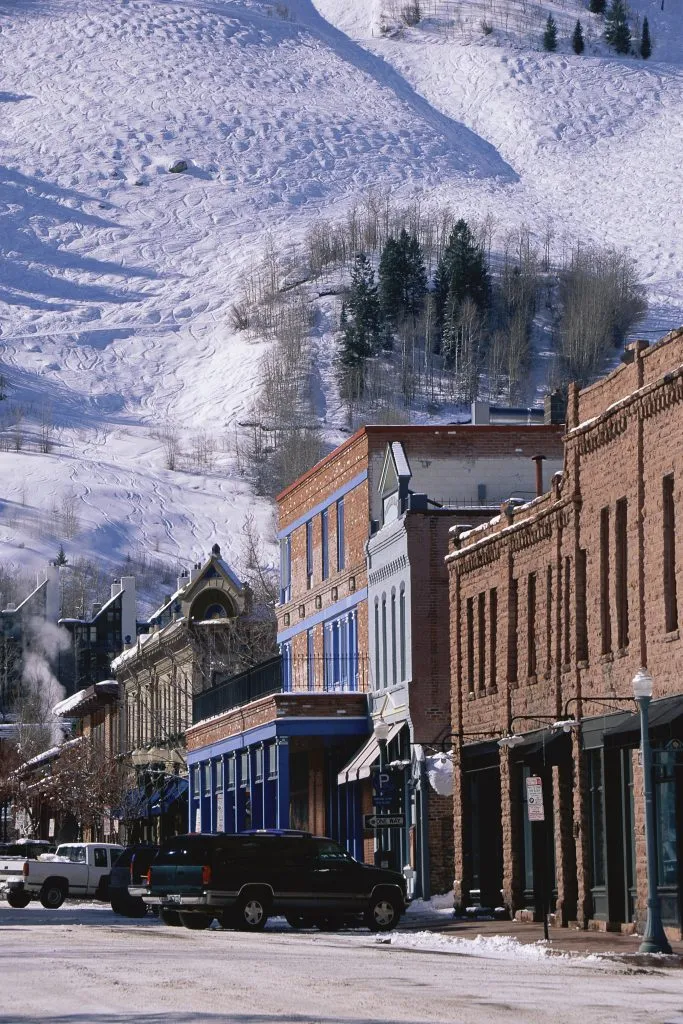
{"type": "Point", "coordinates": [670, 595]}
{"type": "Point", "coordinates": [286, 652]}
{"type": "Point", "coordinates": [605, 614]}
{"type": "Point", "coordinates": [548, 618]}
{"type": "Point", "coordinates": [341, 560]}
{"type": "Point", "coordinates": [402, 630]}
{"type": "Point", "coordinates": [531, 624]}
{"type": "Point", "coordinates": [394, 652]}
{"type": "Point", "coordinates": [470, 643]}
{"type": "Point", "coordinates": [324, 544]}
{"type": "Point", "coordinates": [285, 569]}
{"type": "Point", "coordinates": [581, 614]}
{"type": "Point", "coordinates": [378, 666]}
{"type": "Point", "coordinates": [512, 632]}
{"type": "Point", "coordinates": [481, 641]}
{"type": "Point", "coordinates": [621, 572]}
{"type": "Point", "coordinates": [310, 657]}
{"type": "Point", "coordinates": [384, 640]}
{"type": "Point", "coordinates": [309, 553]}
{"type": "Point", "coordinates": [567, 656]}
{"type": "Point", "coordinates": [493, 636]}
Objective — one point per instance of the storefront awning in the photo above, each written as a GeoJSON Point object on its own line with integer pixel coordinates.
{"type": "Point", "coordinates": [548, 744]}
{"type": "Point", "coordinates": [161, 802]}
{"type": "Point", "coordinates": [663, 715]}
{"type": "Point", "coordinates": [360, 765]}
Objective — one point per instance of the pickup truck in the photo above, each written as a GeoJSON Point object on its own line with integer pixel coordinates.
{"type": "Point", "coordinates": [74, 870]}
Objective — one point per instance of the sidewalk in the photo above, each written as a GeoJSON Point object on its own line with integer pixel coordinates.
{"type": "Point", "coordinates": [564, 940]}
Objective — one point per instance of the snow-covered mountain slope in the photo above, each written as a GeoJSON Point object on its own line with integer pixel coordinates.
{"type": "Point", "coordinates": [117, 276]}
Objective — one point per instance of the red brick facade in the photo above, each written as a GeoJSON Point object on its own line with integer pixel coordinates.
{"type": "Point", "coordinates": [555, 606]}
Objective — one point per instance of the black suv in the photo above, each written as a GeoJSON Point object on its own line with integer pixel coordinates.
{"type": "Point", "coordinates": [130, 868]}
{"type": "Point", "coordinates": [242, 879]}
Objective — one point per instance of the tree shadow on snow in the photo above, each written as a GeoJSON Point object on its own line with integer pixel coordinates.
{"type": "Point", "coordinates": [41, 273]}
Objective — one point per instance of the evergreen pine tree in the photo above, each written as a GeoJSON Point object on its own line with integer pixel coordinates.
{"type": "Point", "coordinates": [61, 558]}
{"type": "Point", "coordinates": [550, 35]}
{"type": "Point", "coordinates": [461, 272]}
{"type": "Point", "coordinates": [597, 6]}
{"type": "Point", "coordinates": [360, 324]}
{"type": "Point", "coordinates": [402, 278]}
{"type": "Point", "coordinates": [577, 39]}
{"type": "Point", "coordinates": [617, 31]}
{"type": "Point", "coordinates": [645, 41]}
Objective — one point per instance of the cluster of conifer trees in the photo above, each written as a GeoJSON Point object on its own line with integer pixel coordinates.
{"type": "Point", "coordinates": [617, 30]}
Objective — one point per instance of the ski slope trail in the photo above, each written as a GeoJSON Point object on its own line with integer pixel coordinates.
{"type": "Point", "coordinates": [118, 276]}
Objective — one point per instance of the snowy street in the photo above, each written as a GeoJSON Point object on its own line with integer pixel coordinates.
{"type": "Point", "coordinates": [83, 965]}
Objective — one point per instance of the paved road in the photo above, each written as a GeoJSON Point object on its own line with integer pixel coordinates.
{"type": "Point", "coordinates": [83, 965]}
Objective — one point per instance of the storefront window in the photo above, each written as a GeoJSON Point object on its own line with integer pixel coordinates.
{"type": "Point", "coordinates": [665, 802]}
{"type": "Point", "coordinates": [597, 816]}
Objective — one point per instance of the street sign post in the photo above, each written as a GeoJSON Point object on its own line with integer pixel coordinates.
{"type": "Point", "coordinates": [384, 820]}
{"type": "Point", "coordinates": [536, 813]}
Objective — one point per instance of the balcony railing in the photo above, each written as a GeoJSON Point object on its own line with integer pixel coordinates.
{"type": "Point", "coordinates": [326, 674]}
{"type": "Point", "coordinates": [293, 674]}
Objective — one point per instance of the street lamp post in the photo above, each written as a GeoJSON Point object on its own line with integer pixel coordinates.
{"type": "Point", "coordinates": [654, 939]}
{"type": "Point", "coordinates": [381, 731]}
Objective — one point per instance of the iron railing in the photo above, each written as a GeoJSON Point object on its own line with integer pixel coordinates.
{"type": "Point", "coordinates": [284, 674]}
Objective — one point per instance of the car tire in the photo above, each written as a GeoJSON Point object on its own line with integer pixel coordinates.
{"type": "Point", "coordinates": [52, 894]}
{"type": "Point", "coordinates": [251, 912]}
{"type": "Point", "coordinates": [18, 900]}
{"type": "Point", "coordinates": [196, 922]}
{"type": "Point", "coordinates": [383, 913]}
{"type": "Point", "coordinates": [171, 917]}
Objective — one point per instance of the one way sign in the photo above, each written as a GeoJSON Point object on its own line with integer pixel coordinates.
{"type": "Point", "coordinates": [384, 820]}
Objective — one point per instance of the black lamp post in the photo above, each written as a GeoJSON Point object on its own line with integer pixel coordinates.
{"type": "Point", "coordinates": [654, 939]}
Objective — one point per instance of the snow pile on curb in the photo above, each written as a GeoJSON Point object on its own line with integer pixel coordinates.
{"type": "Point", "coordinates": [496, 947]}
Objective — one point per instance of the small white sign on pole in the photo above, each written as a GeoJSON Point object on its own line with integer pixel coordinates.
{"type": "Point", "coordinates": [51, 829]}
{"type": "Point", "coordinates": [198, 820]}
{"type": "Point", "coordinates": [220, 815]}
{"type": "Point", "coordinates": [534, 798]}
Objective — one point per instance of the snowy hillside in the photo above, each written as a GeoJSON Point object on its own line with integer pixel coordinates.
{"type": "Point", "coordinates": [117, 277]}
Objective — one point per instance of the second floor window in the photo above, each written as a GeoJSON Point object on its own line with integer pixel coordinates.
{"type": "Point", "coordinates": [324, 544]}
{"type": "Point", "coordinates": [285, 569]}
{"type": "Point", "coordinates": [309, 553]}
{"type": "Point", "coordinates": [340, 535]}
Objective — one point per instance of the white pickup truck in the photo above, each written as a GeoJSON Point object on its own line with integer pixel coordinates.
{"type": "Point", "coordinates": [75, 870]}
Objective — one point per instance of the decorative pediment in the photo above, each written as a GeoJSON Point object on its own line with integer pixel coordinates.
{"type": "Point", "coordinates": [214, 593]}
{"type": "Point", "coordinates": [393, 482]}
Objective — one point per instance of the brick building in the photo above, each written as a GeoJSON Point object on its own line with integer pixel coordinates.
{"type": "Point", "coordinates": [289, 743]}
{"type": "Point", "coordinates": [555, 605]}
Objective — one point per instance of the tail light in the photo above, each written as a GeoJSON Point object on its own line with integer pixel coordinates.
{"type": "Point", "coordinates": [206, 874]}
{"type": "Point", "coordinates": [148, 877]}
{"type": "Point", "coordinates": [25, 869]}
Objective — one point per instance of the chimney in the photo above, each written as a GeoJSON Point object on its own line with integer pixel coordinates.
{"type": "Point", "coordinates": [538, 459]}
{"type": "Point", "coordinates": [183, 579]}
{"type": "Point", "coordinates": [116, 588]}
{"type": "Point", "coordinates": [96, 609]}
{"type": "Point", "coordinates": [555, 407]}
{"type": "Point", "coordinates": [194, 572]}
{"type": "Point", "coordinates": [53, 596]}
{"type": "Point", "coordinates": [481, 414]}
{"type": "Point", "coordinates": [128, 609]}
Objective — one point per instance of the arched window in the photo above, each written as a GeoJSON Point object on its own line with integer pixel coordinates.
{"type": "Point", "coordinates": [394, 652]}
{"type": "Point", "coordinates": [384, 640]}
{"type": "Point", "coordinates": [402, 631]}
